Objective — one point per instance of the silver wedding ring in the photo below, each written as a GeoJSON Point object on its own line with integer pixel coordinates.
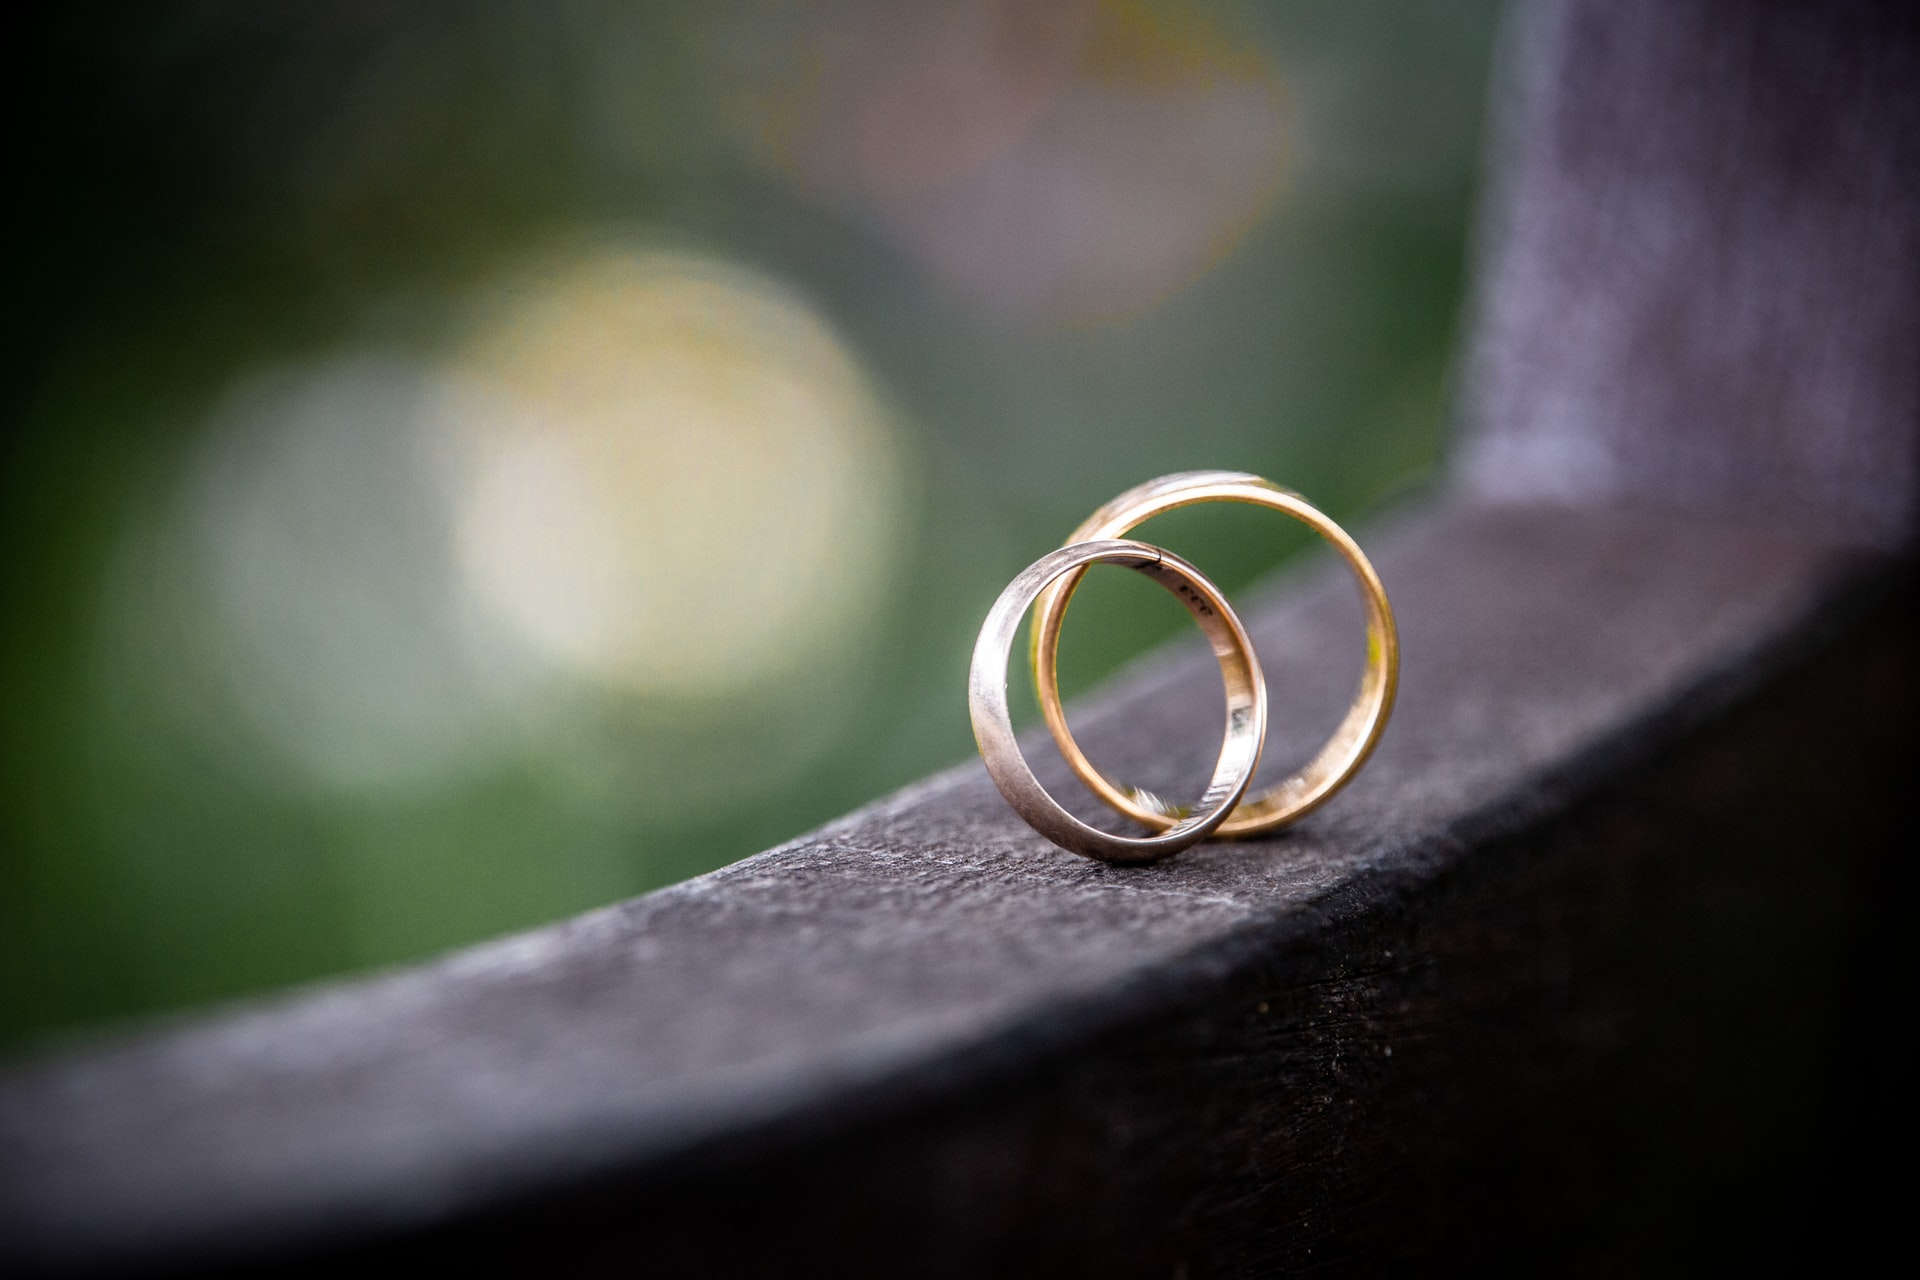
{"type": "Point", "coordinates": [1246, 712]}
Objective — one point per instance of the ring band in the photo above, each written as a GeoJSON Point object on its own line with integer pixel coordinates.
{"type": "Point", "coordinates": [1246, 726]}
{"type": "Point", "coordinates": [1342, 755]}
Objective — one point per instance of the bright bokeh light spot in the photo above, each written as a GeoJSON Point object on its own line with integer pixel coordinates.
{"type": "Point", "coordinates": [646, 490]}
{"type": "Point", "coordinates": [292, 606]}
{"type": "Point", "coordinates": [693, 488]}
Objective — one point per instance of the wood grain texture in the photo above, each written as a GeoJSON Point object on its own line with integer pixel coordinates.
{"type": "Point", "coordinates": [911, 964]}
{"type": "Point", "coordinates": [1700, 270]}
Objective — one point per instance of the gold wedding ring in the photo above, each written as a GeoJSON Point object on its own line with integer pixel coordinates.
{"type": "Point", "coordinates": [1246, 722]}
{"type": "Point", "coordinates": [1342, 755]}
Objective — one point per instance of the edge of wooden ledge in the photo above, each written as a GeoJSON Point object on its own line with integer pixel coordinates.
{"type": "Point", "coordinates": [1840, 585]}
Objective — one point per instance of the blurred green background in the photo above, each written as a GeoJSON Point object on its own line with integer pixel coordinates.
{"type": "Point", "coordinates": [464, 464]}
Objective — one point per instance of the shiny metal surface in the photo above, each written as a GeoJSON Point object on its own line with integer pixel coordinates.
{"type": "Point", "coordinates": [1246, 718]}
{"type": "Point", "coordinates": [1337, 761]}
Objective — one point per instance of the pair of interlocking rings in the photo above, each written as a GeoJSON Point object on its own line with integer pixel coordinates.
{"type": "Point", "coordinates": [1048, 584]}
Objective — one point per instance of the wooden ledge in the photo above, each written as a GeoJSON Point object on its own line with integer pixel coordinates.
{"type": "Point", "coordinates": [923, 1034]}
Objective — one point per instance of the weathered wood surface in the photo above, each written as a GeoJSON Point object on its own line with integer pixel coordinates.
{"type": "Point", "coordinates": [1700, 272]}
{"type": "Point", "coordinates": [1588, 971]}
{"type": "Point", "coordinates": [909, 972]}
